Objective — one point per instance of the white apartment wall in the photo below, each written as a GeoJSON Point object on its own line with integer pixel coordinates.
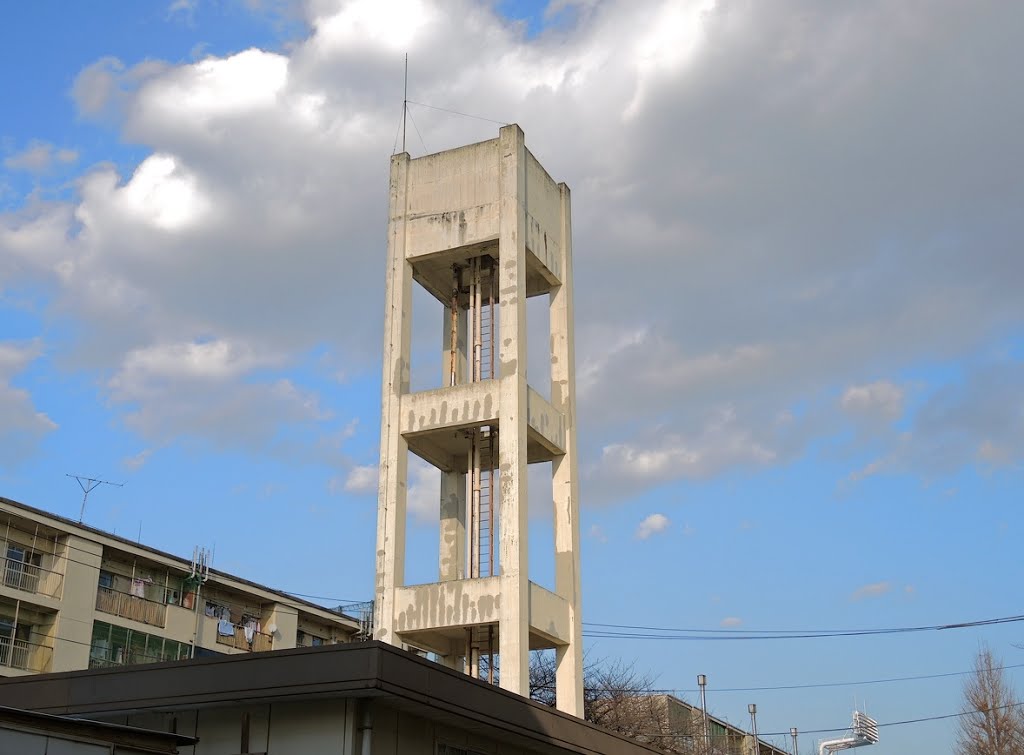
{"type": "Point", "coordinates": [80, 561]}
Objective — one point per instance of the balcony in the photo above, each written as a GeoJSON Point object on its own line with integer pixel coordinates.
{"type": "Point", "coordinates": [31, 578]}
{"type": "Point", "coordinates": [131, 607]}
{"type": "Point", "coordinates": [260, 641]}
{"type": "Point", "coordinates": [23, 654]}
{"type": "Point", "coordinates": [103, 658]}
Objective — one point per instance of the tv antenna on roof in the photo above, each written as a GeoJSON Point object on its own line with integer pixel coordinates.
{"type": "Point", "coordinates": [89, 484]}
{"type": "Point", "coordinates": [864, 731]}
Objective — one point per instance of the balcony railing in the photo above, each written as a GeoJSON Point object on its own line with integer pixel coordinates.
{"type": "Point", "coordinates": [31, 578]}
{"type": "Point", "coordinates": [24, 654]}
{"type": "Point", "coordinates": [102, 658]}
{"type": "Point", "coordinates": [131, 607]}
{"type": "Point", "coordinates": [260, 641]}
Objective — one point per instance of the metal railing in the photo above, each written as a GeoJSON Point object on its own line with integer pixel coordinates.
{"type": "Point", "coordinates": [24, 654]}
{"type": "Point", "coordinates": [103, 658]}
{"type": "Point", "coordinates": [31, 578]}
{"type": "Point", "coordinates": [260, 641]}
{"type": "Point", "coordinates": [130, 606]}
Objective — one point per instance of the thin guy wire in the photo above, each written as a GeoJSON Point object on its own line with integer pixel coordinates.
{"type": "Point", "coordinates": [417, 130]}
{"type": "Point", "coordinates": [394, 148]}
{"type": "Point", "coordinates": [456, 112]}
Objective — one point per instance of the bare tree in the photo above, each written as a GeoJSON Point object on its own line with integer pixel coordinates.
{"type": "Point", "coordinates": [993, 723]}
{"type": "Point", "coordinates": [620, 698]}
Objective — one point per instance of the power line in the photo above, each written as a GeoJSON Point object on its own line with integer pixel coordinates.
{"type": "Point", "coordinates": [783, 687]}
{"type": "Point", "coordinates": [664, 633]}
{"type": "Point", "coordinates": [908, 721]}
{"type": "Point", "coordinates": [905, 722]}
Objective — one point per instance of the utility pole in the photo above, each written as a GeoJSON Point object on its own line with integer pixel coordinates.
{"type": "Point", "coordinates": [792, 733]}
{"type": "Point", "coordinates": [89, 484]}
{"type": "Point", "coordinates": [200, 573]}
{"type": "Point", "coordinates": [753, 728]}
{"type": "Point", "coordinates": [702, 682]}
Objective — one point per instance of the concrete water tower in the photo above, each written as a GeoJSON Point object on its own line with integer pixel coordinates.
{"type": "Point", "coordinates": [481, 228]}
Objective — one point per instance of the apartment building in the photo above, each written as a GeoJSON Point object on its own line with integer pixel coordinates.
{"type": "Point", "coordinates": [681, 726]}
{"type": "Point", "coordinates": [73, 597]}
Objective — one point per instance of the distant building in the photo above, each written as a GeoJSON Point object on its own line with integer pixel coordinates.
{"type": "Point", "coordinates": [680, 726]}
{"type": "Point", "coordinates": [673, 726]}
{"type": "Point", "coordinates": [74, 597]}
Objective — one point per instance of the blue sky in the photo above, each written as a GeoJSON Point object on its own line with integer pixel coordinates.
{"type": "Point", "coordinates": [799, 338]}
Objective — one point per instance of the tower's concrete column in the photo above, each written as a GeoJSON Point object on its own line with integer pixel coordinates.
{"type": "Point", "coordinates": [564, 480]}
{"type": "Point", "coordinates": [452, 551]}
{"type": "Point", "coordinates": [394, 449]}
{"type": "Point", "coordinates": [514, 615]}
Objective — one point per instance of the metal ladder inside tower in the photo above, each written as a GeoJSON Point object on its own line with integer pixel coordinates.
{"type": "Point", "coordinates": [481, 464]}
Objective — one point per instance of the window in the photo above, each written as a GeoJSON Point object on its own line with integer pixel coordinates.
{"type": "Point", "coordinates": [117, 646]}
{"type": "Point", "coordinates": [307, 640]}
{"type": "Point", "coordinates": [107, 580]}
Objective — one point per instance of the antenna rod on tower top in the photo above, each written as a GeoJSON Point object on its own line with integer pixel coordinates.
{"type": "Point", "coordinates": [405, 99]}
{"type": "Point", "coordinates": [88, 484]}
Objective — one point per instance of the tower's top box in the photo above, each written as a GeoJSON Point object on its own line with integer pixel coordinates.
{"type": "Point", "coordinates": [453, 202]}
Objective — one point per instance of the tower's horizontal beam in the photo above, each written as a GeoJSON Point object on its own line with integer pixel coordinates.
{"type": "Point", "coordinates": [549, 615]}
{"type": "Point", "coordinates": [446, 605]}
{"type": "Point", "coordinates": [466, 405]}
{"type": "Point", "coordinates": [546, 422]}
{"type": "Point", "coordinates": [438, 607]}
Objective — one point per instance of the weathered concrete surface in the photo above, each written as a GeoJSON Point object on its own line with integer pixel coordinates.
{"type": "Point", "coordinates": [565, 478]}
{"type": "Point", "coordinates": [491, 199]}
{"type": "Point", "coordinates": [394, 451]}
{"type": "Point", "coordinates": [465, 405]}
{"type": "Point", "coordinates": [546, 421]}
{"type": "Point", "coordinates": [549, 615]}
{"type": "Point", "coordinates": [441, 605]}
{"type": "Point", "coordinates": [543, 220]}
{"type": "Point", "coordinates": [512, 435]}
{"type": "Point", "coordinates": [453, 199]}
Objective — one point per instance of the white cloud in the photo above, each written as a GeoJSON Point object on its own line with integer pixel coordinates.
{"type": "Point", "coordinates": [973, 421]}
{"type": "Point", "coordinates": [652, 524]}
{"type": "Point", "coordinates": [138, 460]}
{"type": "Point", "coordinates": [162, 194]}
{"type": "Point", "coordinates": [196, 389]}
{"type": "Point", "coordinates": [723, 443]}
{"type": "Point", "coordinates": [597, 533]}
{"type": "Point", "coordinates": [731, 621]}
{"type": "Point", "coordinates": [211, 90]}
{"type": "Point", "coordinates": [424, 495]}
{"type": "Point", "coordinates": [183, 9]}
{"type": "Point", "coordinates": [362, 479]}
{"type": "Point", "coordinates": [881, 399]}
{"type": "Point", "coordinates": [39, 157]}
{"type": "Point", "coordinates": [23, 426]}
{"type": "Point", "coordinates": [775, 285]}
{"type": "Point", "coordinates": [201, 361]}
{"type": "Point", "coordinates": [873, 590]}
